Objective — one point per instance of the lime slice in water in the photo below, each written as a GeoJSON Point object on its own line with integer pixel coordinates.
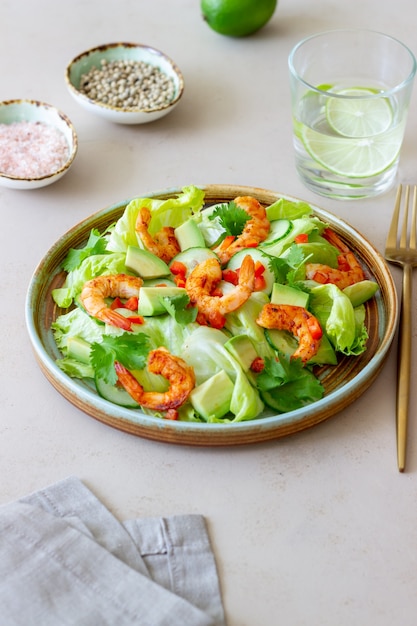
{"type": "Point", "coordinates": [353, 157]}
{"type": "Point", "coordinates": [359, 114]}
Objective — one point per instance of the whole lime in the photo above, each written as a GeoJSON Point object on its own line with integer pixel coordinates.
{"type": "Point", "coordinates": [237, 18]}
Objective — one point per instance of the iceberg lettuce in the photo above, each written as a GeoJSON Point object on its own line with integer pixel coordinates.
{"type": "Point", "coordinates": [204, 350]}
{"type": "Point", "coordinates": [287, 209]}
{"type": "Point", "coordinates": [300, 226]}
{"type": "Point", "coordinates": [76, 323]}
{"type": "Point", "coordinates": [163, 330]}
{"type": "Point", "coordinates": [344, 327]}
{"type": "Point", "coordinates": [91, 267]}
{"type": "Point", "coordinates": [243, 322]}
{"type": "Point", "coordinates": [170, 212]}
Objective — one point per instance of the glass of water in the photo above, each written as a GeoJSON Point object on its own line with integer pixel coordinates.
{"type": "Point", "coordinates": [350, 92]}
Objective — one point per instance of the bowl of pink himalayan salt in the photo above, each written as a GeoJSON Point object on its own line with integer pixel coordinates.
{"type": "Point", "coordinates": [38, 144]}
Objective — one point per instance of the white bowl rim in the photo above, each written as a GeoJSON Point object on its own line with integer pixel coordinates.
{"type": "Point", "coordinates": [65, 119]}
{"type": "Point", "coordinates": [128, 45]}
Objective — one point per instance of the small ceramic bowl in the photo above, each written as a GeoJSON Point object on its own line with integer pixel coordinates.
{"type": "Point", "coordinates": [38, 144]}
{"type": "Point", "coordinates": [122, 113]}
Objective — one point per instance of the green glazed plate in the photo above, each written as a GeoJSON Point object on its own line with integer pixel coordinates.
{"type": "Point", "coordinates": [343, 383]}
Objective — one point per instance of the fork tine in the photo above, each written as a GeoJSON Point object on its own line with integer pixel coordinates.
{"type": "Point", "coordinates": [392, 233]}
{"type": "Point", "coordinates": [403, 238]}
{"type": "Point", "coordinates": [413, 219]}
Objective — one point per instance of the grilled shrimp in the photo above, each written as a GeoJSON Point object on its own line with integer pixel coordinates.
{"type": "Point", "coordinates": [298, 321]}
{"type": "Point", "coordinates": [95, 291]}
{"type": "Point", "coordinates": [173, 368]}
{"type": "Point", "coordinates": [254, 232]}
{"type": "Point", "coordinates": [348, 272]}
{"type": "Point", "coordinates": [163, 244]}
{"type": "Point", "coordinates": [201, 285]}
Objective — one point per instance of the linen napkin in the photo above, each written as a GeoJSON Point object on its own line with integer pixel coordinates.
{"type": "Point", "coordinates": [66, 560]}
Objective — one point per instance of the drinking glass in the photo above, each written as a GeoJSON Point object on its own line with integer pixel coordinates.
{"type": "Point", "coordinates": [350, 93]}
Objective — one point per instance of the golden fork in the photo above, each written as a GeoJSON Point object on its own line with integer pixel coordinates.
{"type": "Point", "coordinates": [405, 254]}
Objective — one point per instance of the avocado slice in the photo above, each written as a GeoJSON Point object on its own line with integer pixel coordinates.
{"type": "Point", "coordinates": [150, 299]}
{"type": "Point", "coordinates": [79, 349]}
{"type": "Point", "coordinates": [145, 263]}
{"type": "Point", "coordinates": [361, 292]}
{"type": "Point", "coordinates": [212, 398]}
{"type": "Point", "coordinates": [189, 235]}
{"type": "Point", "coordinates": [284, 294]}
{"type": "Point", "coordinates": [242, 349]}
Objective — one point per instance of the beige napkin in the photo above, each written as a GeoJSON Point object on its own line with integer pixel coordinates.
{"type": "Point", "coordinates": [65, 559]}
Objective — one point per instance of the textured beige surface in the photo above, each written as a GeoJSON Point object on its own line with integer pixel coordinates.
{"type": "Point", "coordinates": [317, 529]}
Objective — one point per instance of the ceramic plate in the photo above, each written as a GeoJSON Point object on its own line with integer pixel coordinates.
{"type": "Point", "coordinates": [343, 383]}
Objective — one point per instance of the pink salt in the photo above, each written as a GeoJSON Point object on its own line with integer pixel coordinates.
{"type": "Point", "coordinates": [31, 149]}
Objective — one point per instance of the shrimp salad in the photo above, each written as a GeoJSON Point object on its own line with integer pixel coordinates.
{"type": "Point", "coordinates": [216, 315]}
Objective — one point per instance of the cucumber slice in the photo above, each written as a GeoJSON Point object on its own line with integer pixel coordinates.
{"type": "Point", "coordinates": [285, 342]}
{"type": "Point", "coordinates": [115, 394]}
{"type": "Point", "coordinates": [272, 401]}
{"type": "Point", "coordinates": [257, 255]}
{"type": "Point", "coordinates": [281, 340]}
{"type": "Point", "coordinates": [275, 402]}
{"type": "Point", "coordinates": [193, 257]}
{"type": "Point", "coordinates": [279, 229]}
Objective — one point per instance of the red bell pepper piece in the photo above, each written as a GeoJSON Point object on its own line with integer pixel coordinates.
{"type": "Point", "coordinates": [132, 303]}
{"type": "Point", "coordinates": [301, 238]}
{"type": "Point", "coordinates": [314, 327]}
{"type": "Point", "coordinates": [230, 276]}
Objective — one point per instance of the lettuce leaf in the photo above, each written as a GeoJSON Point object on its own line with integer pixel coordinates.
{"type": "Point", "coordinates": [170, 212]}
{"type": "Point", "coordinates": [210, 225]}
{"type": "Point", "coordinates": [204, 350]}
{"type": "Point", "coordinates": [345, 328]}
{"type": "Point", "coordinates": [90, 267]}
{"type": "Point", "coordinates": [75, 369]}
{"type": "Point", "coordinates": [287, 209]}
{"type": "Point", "coordinates": [243, 322]}
{"type": "Point", "coordinates": [165, 331]}
{"type": "Point", "coordinates": [76, 323]}
{"type": "Point", "coordinates": [96, 244]}
{"type": "Point", "coordinates": [361, 335]}
{"type": "Point", "coordinates": [301, 226]}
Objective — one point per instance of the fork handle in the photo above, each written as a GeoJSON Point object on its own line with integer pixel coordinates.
{"type": "Point", "coordinates": [404, 366]}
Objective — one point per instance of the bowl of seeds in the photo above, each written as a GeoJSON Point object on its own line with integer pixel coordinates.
{"type": "Point", "coordinates": [38, 144]}
{"type": "Point", "coordinates": [126, 83]}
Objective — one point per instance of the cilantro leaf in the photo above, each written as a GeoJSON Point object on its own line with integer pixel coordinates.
{"type": "Point", "coordinates": [295, 256]}
{"type": "Point", "coordinates": [279, 267]}
{"type": "Point", "coordinates": [96, 244]}
{"type": "Point", "coordinates": [285, 269]}
{"type": "Point", "coordinates": [287, 384]}
{"type": "Point", "coordinates": [231, 217]}
{"type": "Point", "coordinates": [129, 349]}
{"type": "Point", "coordinates": [176, 306]}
